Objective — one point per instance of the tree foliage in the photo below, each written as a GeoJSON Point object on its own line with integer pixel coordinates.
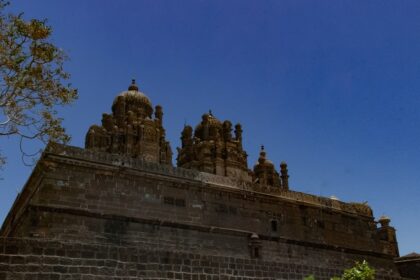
{"type": "Point", "coordinates": [360, 271]}
{"type": "Point", "coordinates": [32, 80]}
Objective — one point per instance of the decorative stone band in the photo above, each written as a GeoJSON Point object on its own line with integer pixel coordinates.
{"type": "Point", "coordinates": [122, 161]}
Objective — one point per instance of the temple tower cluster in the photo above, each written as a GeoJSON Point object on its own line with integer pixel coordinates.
{"type": "Point", "coordinates": [212, 146]}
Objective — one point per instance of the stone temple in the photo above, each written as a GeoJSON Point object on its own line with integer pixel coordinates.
{"type": "Point", "coordinates": [119, 209]}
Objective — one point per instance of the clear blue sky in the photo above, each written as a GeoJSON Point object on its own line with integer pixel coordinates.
{"type": "Point", "coordinates": [331, 87]}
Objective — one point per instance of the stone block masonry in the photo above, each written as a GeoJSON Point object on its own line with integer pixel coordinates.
{"type": "Point", "coordinates": [52, 259]}
{"type": "Point", "coordinates": [82, 217]}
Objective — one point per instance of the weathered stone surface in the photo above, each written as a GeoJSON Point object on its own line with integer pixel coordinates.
{"type": "Point", "coordinates": [213, 149]}
{"type": "Point", "coordinates": [116, 211]}
{"type": "Point", "coordinates": [136, 262]}
{"type": "Point", "coordinates": [409, 265]}
{"type": "Point", "coordinates": [112, 211]}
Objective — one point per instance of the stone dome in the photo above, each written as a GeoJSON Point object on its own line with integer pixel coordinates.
{"type": "Point", "coordinates": [384, 221]}
{"type": "Point", "coordinates": [264, 171]}
{"type": "Point", "coordinates": [134, 99]}
{"type": "Point", "coordinates": [213, 121]}
{"type": "Point", "coordinates": [210, 120]}
{"type": "Point", "coordinates": [209, 127]}
{"type": "Point", "coordinates": [263, 161]}
{"type": "Point", "coordinates": [384, 218]}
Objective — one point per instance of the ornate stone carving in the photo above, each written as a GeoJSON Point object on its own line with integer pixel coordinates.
{"type": "Point", "coordinates": [130, 129]}
{"type": "Point", "coordinates": [266, 175]}
{"type": "Point", "coordinates": [213, 149]}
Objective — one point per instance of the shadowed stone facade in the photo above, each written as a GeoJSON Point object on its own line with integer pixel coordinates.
{"type": "Point", "coordinates": [409, 265]}
{"type": "Point", "coordinates": [119, 210]}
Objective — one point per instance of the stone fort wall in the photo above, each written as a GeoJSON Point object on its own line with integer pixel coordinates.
{"type": "Point", "coordinates": [61, 260]}
{"type": "Point", "coordinates": [82, 209]}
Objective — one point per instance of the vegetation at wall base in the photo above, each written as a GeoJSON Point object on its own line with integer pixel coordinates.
{"type": "Point", "coordinates": [360, 271]}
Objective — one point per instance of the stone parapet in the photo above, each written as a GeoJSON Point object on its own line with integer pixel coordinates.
{"type": "Point", "coordinates": [127, 162]}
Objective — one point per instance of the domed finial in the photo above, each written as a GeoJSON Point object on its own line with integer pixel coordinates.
{"type": "Point", "coordinates": [384, 221]}
{"type": "Point", "coordinates": [133, 85]}
{"type": "Point", "coordinates": [210, 113]}
{"type": "Point", "coordinates": [261, 159]}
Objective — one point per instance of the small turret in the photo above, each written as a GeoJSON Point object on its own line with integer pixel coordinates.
{"type": "Point", "coordinates": [159, 113]}
{"type": "Point", "coordinates": [238, 133]}
{"type": "Point", "coordinates": [387, 236]}
{"type": "Point", "coordinates": [384, 221]}
{"type": "Point", "coordinates": [284, 176]}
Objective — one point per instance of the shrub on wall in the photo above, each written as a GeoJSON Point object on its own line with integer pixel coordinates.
{"type": "Point", "coordinates": [360, 271]}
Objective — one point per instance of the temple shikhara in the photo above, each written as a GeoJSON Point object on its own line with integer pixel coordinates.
{"type": "Point", "coordinates": [120, 209]}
